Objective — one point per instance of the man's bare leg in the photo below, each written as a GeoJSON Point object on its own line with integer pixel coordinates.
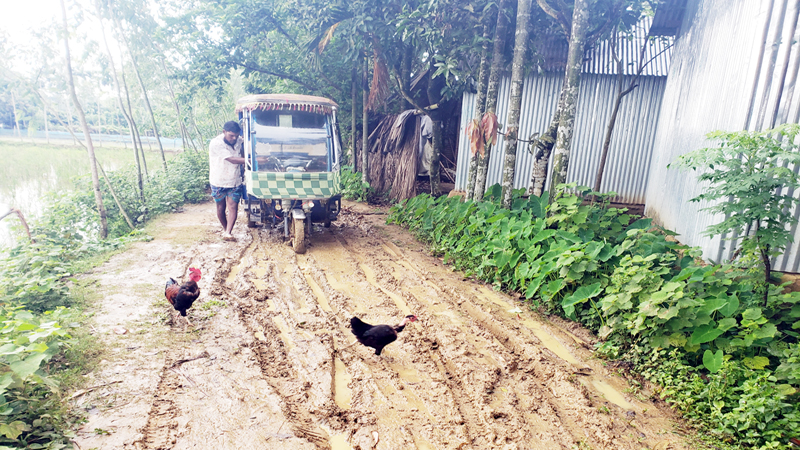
{"type": "Point", "coordinates": [221, 215]}
{"type": "Point", "coordinates": [231, 212]}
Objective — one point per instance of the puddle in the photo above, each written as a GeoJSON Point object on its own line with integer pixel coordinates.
{"type": "Point", "coordinates": [258, 283]}
{"type": "Point", "coordinates": [339, 442]}
{"type": "Point", "coordinates": [422, 444]}
{"type": "Point", "coordinates": [611, 394]}
{"type": "Point", "coordinates": [551, 343]}
{"type": "Point", "coordinates": [405, 373]}
{"type": "Point", "coordinates": [401, 304]}
{"type": "Point", "coordinates": [488, 294]}
{"type": "Point", "coordinates": [281, 324]}
{"type": "Point", "coordinates": [390, 251]}
{"type": "Point", "coordinates": [234, 271]}
{"type": "Point", "coordinates": [260, 271]}
{"type": "Point", "coordinates": [321, 299]}
{"type": "Point", "coordinates": [342, 393]}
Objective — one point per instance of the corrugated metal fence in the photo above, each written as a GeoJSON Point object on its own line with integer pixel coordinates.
{"type": "Point", "coordinates": [735, 66]}
{"type": "Point", "coordinates": [631, 145]}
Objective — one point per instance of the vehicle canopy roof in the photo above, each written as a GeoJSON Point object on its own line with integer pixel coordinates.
{"type": "Point", "coordinates": [292, 102]}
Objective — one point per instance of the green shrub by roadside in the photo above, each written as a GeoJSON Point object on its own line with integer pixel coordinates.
{"type": "Point", "coordinates": [352, 186]}
{"type": "Point", "coordinates": [680, 322]}
{"type": "Point", "coordinates": [38, 358]}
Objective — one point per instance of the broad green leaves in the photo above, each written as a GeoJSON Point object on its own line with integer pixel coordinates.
{"type": "Point", "coordinates": [712, 360]}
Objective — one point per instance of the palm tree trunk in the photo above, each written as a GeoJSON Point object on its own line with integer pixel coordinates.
{"type": "Point", "coordinates": [92, 162]}
{"type": "Point", "coordinates": [517, 79]}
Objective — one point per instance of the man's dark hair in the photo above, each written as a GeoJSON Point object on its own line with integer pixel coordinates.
{"type": "Point", "coordinates": [232, 126]}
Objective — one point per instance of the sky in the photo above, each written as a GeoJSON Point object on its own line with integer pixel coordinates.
{"type": "Point", "coordinates": [20, 17]}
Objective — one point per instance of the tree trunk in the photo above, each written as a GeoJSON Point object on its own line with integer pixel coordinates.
{"type": "Point", "coordinates": [437, 144]}
{"type": "Point", "coordinates": [144, 95]}
{"type": "Point", "coordinates": [620, 95]}
{"type": "Point", "coordinates": [197, 128]}
{"type": "Point", "coordinates": [46, 124]}
{"type": "Point", "coordinates": [92, 162]}
{"type": "Point", "coordinates": [353, 101]}
{"type": "Point", "coordinates": [434, 92]}
{"type": "Point", "coordinates": [125, 114]}
{"type": "Point", "coordinates": [365, 125]}
{"type": "Point", "coordinates": [182, 127]}
{"type": "Point", "coordinates": [542, 149]}
{"type": "Point", "coordinates": [610, 129]}
{"type": "Point", "coordinates": [137, 139]}
{"type": "Point", "coordinates": [491, 92]}
{"type": "Point", "coordinates": [566, 121]}
{"type": "Point", "coordinates": [480, 105]}
{"type": "Point", "coordinates": [16, 116]}
{"type": "Point", "coordinates": [517, 79]}
{"type": "Point", "coordinates": [405, 71]}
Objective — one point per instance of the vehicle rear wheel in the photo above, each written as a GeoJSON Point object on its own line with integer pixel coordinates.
{"type": "Point", "coordinates": [299, 235]}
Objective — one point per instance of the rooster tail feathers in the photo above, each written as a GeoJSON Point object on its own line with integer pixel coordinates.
{"type": "Point", "coordinates": [359, 327]}
{"type": "Point", "coordinates": [171, 282]}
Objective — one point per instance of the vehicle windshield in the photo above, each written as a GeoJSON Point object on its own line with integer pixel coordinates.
{"type": "Point", "coordinates": [291, 141]}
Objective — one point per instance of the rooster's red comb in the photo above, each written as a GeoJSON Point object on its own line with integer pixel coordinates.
{"type": "Point", "coordinates": [194, 273]}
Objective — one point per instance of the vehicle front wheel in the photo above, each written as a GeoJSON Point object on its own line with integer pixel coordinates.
{"type": "Point", "coordinates": [250, 222]}
{"type": "Point", "coordinates": [299, 236]}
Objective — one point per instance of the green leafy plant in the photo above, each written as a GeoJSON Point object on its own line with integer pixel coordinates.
{"type": "Point", "coordinates": [751, 185]}
{"type": "Point", "coordinates": [353, 188]}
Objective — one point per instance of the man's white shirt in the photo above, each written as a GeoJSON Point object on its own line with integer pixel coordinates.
{"type": "Point", "coordinates": [221, 173]}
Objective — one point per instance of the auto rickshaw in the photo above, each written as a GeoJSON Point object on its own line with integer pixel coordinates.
{"type": "Point", "coordinates": [291, 170]}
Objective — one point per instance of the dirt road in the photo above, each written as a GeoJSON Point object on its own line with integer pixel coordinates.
{"type": "Point", "coordinates": [265, 365]}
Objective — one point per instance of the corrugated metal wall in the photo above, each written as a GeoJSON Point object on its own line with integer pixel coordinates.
{"type": "Point", "coordinates": [735, 66]}
{"type": "Point", "coordinates": [627, 168]}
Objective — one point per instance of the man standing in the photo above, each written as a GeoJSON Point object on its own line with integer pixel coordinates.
{"type": "Point", "coordinates": [225, 175]}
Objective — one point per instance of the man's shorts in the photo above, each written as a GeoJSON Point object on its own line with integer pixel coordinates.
{"type": "Point", "coordinates": [219, 193]}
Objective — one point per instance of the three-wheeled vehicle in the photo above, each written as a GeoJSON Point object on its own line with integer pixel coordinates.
{"type": "Point", "coordinates": [291, 171]}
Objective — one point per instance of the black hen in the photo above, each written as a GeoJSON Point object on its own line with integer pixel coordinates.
{"type": "Point", "coordinates": [378, 336]}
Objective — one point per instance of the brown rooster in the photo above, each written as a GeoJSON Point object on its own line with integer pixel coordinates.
{"type": "Point", "coordinates": [182, 296]}
{"type": "Point", "coordinates": [377, 336]}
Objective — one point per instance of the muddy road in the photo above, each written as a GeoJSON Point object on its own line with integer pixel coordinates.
{"type": "Point", "coordinates": [266, 364]}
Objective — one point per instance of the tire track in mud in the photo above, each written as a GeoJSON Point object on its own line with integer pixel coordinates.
{"type": "Point", "coordinates": [471, 372]}
{"type": "Point", "coordinates": [467, 376]}
{"type": "Point", "coordinates": [569, 405]}
{"type": "Point", "coordinates": [273, 344]}
{"type": "Point", "coordinates": [160, 432]}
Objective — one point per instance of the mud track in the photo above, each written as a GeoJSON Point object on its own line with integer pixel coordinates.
{"type": "Point", "coordinates": [267, 363]}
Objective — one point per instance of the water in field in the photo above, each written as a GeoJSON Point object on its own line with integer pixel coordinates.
{"type": "Point", "coordinates": [32, 170]}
